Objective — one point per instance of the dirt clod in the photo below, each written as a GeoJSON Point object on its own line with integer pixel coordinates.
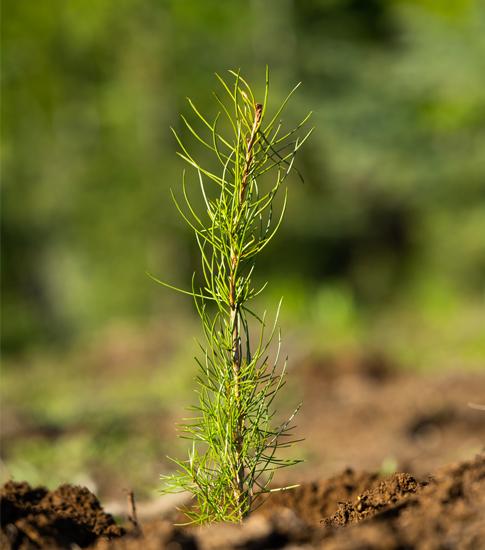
{"type": "Point", "coordinates": [38, 518]}
{"type": "Point", "coordinates": [386, 494]}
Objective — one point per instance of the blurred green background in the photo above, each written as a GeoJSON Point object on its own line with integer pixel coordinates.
{"type": "Point", "coordinates": [383, 246]}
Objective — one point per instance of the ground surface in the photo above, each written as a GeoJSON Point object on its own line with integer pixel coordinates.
{"type": "Point", "coordinates": [367, 414]}
{"type": "Point", "coordinates": [105, 418]}
{"type": "Point", "coordinates": [358, 413]}
{"type": "Point", "coordinates": [349, 511]}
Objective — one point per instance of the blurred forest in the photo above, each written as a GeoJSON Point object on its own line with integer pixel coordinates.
{"type": "Point", "coordinates": [382, 247]}
{"type": "Point", "coordinates": [393, 205]}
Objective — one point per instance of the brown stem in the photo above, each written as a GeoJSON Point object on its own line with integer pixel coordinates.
{"type": "Point", "coordinates": [133, 518]}
{"type": "Point", "coordinates": [236, 365]}
{"type": "Point", "coordinates": [235, 313]}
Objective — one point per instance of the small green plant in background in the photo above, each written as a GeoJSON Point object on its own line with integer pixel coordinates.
{"type": "Point", "coordinates": [234, 438]}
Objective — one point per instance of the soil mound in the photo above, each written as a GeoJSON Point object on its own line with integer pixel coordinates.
{"type": "Point", "coordinates": [319, 499]}
{"type": "Point", "coordinates": [447, 512]}
{"type": "Point", "coordinates": [386, 494]}
{"type": "Point", "coordinates": [38, 518]}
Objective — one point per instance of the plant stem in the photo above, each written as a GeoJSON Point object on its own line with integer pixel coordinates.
{"type": "Point", "coordinates": [235, 315]}
{"type": "Point", "coordinates": [236, 367]}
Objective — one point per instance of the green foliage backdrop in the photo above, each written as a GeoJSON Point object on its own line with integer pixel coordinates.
{"type": "Point", "coordinates": [394, 194]}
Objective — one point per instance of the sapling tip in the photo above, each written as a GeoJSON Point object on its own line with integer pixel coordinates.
{"type": "Point", "coordinates": [234, 438]}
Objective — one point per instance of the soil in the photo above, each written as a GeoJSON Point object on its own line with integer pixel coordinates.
{"type": "Point", "coordinates": [351, 511]}
{"type": "Point", "coordinates": [36, 517]}
{"type": "Point", "coordinates": [361, 412]}
{"type": "Point", "coordinates": [372, 415]}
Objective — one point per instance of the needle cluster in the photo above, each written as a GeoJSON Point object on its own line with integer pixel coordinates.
{"type": "Point", "coordinates": [234, 437]}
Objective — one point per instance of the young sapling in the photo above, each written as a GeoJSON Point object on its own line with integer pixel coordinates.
{"type": "Point", "coordinates": [234, 438]}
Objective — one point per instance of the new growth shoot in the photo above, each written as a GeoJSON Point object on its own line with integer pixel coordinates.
{"type": "Point", "coordinates": [234, 438]}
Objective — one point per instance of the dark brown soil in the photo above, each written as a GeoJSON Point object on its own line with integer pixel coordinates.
{"type": "Point", "coordinates": [351, 511]}
{"type": "Point", "coordinates": [380, 497]}
{"type": "Point", "coordinates": [446, 513]}
{"type": "Point", "coordinates": [320, 499]}
{"type": "Point", "coordinates": [38, 518]}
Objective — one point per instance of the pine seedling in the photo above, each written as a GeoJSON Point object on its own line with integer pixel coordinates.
{"type": "Point", "coordinates": [234, 437]}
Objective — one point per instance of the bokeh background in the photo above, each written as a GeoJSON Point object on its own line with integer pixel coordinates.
{"type": "Point", "coordinates": [382, 249]}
